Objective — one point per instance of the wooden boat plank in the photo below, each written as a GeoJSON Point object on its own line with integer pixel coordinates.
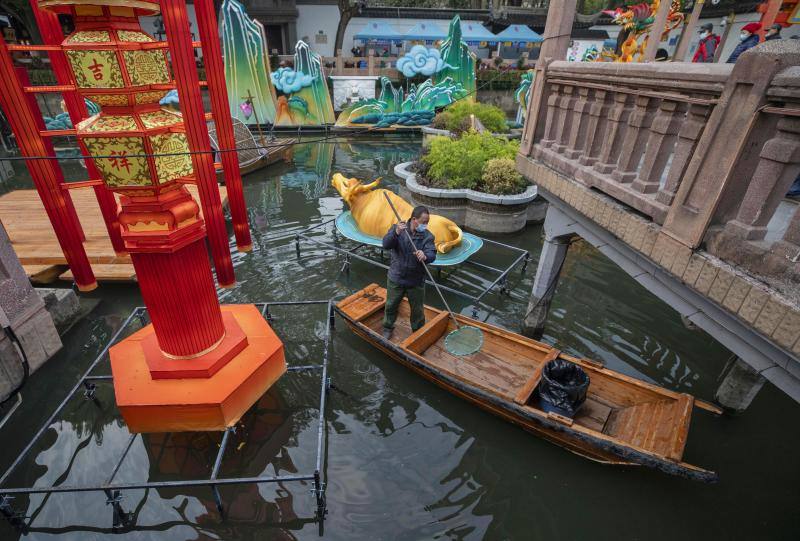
{"type": "Point", "coordinates": [684, 409]}
{"type": "Point", "coordinates": [525, 392]}
{"type": "Point", "coordinates": [422, 338]}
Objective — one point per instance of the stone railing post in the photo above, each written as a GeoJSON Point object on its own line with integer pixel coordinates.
{"type": "Point", "coordinates": [560, 16]}
{"type": "Point", "coordinates": [371, 62]}
{"type": "Point", "coordinates": [778, 166]}
{"type": "Point", "coordinates": [615, 133]}
{"type": "Point", "coordinates": [596, 127]}
{"type": "Point", "coordinates": [567, 106]}
{"type": "Point", "coordinates": [660, 145]}
{"type": "Point", "coordinates": [339, 63]}
{"type": "Point", "coordinates": [636, 138]}
{"type": "Point", "coordinates": [580, 121]}
{"type": "Point", "coordinates": [689, 135]}
{"type": "Point", "coordinates": [552, 116]}
{"type": "Point", "coordinates": [717, 176]}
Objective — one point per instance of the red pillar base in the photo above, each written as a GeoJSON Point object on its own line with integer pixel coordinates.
{"type": "Point", "coordinates": [213, 403]}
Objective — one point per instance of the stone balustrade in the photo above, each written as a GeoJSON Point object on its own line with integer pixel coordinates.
{"type": "Point", "coordinates": [689, 165]}
{"type": "Point", "coordinates": [627, 130]}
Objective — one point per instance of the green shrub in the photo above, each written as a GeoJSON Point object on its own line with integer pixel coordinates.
{"type": "Point", "coordinates": [500, 177]}
{"type": "Point", "coordinates": [493, 118]}
{"type": "Point", "coordinates": [440, 120]}
{"type": "Point", "coordinates": [459, 163]}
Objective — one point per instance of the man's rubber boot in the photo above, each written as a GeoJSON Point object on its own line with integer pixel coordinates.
{"type": "Point", "coordinates": [387, 333]}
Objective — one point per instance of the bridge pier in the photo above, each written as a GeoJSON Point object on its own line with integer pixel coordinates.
{"type": "Point", "coordinates": [739, 387]}
{"type": "Point", "coordinates": [557, 238]}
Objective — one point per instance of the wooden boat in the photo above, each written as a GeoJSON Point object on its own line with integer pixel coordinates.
{"type": "Point", "coordinates": [623, 421]}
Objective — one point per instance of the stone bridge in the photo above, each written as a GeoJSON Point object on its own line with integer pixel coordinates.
{"type": "Point", "coordinates": [678, 172]}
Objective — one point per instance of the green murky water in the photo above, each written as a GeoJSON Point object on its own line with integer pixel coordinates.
{"type": "Point", "coordinates": [405, 459]}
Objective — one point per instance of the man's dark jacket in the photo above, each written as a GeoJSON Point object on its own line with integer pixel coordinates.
{"type": "Point", "coordinates": [405, 269]}
{"type": "Point", "coordinates": [749, 43]}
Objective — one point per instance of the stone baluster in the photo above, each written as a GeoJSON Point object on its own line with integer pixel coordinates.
{"type": "Point", "coordinates": [660, 145]}
{"type": "Point", "coordinates": [596, 126]}
{"type": "Point", "coordinates": [778, 166]}
{"type": "Point", "coordinates": [615, 133]}
{"type": "Point", "coordinates": [580, 122]}
{"type": "Point", "coordinates": [792, 234]}
{"type": "Point", "coordinates": [689, 135]}
{"type": "Point", "coordinates": [552, 117]}
{"type": "Point", "coordinates": [566, 105]}
{"type": "Point", "coordinates": [636, 138]}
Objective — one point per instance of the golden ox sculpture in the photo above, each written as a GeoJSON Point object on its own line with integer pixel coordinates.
{"type": "Point", "coordinates": [374, 216]}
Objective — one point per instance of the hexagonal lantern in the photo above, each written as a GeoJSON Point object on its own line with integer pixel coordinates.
{"type": "Point", "coordinates": [196, 366]}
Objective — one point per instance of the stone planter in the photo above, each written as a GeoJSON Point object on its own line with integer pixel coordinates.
{"type": "Point", "coordinates": [477, 211]}
{"type": "Point", "coordinates": [429, 133]}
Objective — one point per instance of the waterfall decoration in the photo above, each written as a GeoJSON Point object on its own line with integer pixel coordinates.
{"type": "Point", "coordinates": [421, 61]}
{"type": "Point", "coordinates": [459, 60]}
{"type": "Point", "coordinates": [247, 73]}
{"type": "Point", "coordinates": [523, 95]}
{"type": "Point", "coordinates": [305, 98]}
{"type": "Point", "coordinates": [393, 109]}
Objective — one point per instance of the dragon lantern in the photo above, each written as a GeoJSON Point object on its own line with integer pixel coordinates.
{"type": "Point", "coordinates": [636, 21]}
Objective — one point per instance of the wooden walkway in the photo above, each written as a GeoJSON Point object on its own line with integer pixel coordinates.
{"type": "Point", "coordinates": [34, 241]}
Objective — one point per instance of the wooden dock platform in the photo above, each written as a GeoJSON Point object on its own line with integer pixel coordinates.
{"type": "Point", "coordinates": [34, 240]}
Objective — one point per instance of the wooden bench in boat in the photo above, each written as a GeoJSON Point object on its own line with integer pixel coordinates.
{"type": "Point", "coordinates": [623, 420]}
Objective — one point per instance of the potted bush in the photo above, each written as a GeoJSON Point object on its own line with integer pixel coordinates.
{"type": "Point", "coordinates": [455, 119]}
{"type": "Point", "coordinates": [473, 181]}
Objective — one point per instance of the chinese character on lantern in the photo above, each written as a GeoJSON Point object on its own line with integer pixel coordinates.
{"type": "Point", "coordinates": [119, 160]}
{"type": "Point", "coordinates": [96, 70]}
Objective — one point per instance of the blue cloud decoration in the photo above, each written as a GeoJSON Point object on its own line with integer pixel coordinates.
{"type": "Point", "coordinates": [289, 81]}
{"type": "Point", "coordinates": [421, 61]}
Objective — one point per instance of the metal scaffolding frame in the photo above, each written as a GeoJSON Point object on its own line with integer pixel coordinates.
{"type": "Point", "coordinates": [500, 274]}
{"type": "Point", "coordinates": [113, 491]}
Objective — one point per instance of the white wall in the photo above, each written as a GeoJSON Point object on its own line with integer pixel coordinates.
{"type": "Point", "coordinates": [312, 19]}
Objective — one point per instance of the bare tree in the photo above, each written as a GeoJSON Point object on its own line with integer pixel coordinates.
{"type": "Point", "coordinates": [347, 10]}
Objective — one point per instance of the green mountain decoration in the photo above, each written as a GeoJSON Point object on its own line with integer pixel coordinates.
{"type": "Point", "coordinates": [247, 72]}
{"type": "Point", "coordinates": [455, 81]}
{"type": "Point", "coordinates": [522, 95]}
{"type": "Point", "coordinates": [308, 101]}
{"type": "Point", "coordinates": [460, 61]}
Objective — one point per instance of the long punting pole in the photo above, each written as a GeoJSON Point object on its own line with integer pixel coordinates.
{"type": "Point", "coordinates": [176, 24]}
{"type": "Point", "coordinates": [23, 123]}
{"type": "Point", "coordinates": [51, 32]}
{"type": "Point", "coordinates": [215, 75]}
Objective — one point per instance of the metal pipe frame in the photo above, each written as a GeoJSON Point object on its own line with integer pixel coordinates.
{"type": "Point", "coordinates": [113, 490]}
{"type": "Point", "coordinates": [523, 256]}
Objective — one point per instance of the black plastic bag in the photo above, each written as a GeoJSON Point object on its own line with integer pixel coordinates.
{"type": "Point", "coordinates": [563, 387]}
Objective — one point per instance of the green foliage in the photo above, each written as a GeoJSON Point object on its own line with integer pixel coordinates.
{"type": "Point", "coordinates": [499, 80]}
{"type": "Point", "coordinates": [493, 118]}
{"type": "Point", "coordinates": [500, 177]}
{"type": "Point", "coordinates": [459, 163]}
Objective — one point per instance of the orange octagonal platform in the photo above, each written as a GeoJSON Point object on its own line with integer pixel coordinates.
{"type": "Point", "coordinates": [194, 404]}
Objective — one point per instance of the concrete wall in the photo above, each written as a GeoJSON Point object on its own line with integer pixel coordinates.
{"type": "Point", "coordinates": [311, 20]}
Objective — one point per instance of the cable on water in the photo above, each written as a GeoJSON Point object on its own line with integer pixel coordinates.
{"type": "Point", "coordinates": [266, 146]}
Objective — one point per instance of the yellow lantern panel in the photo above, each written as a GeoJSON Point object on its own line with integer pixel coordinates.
{"type": "Point", "coordinates": [150, 97]}
{"type": "Point", "coordinates": [88, 36]}
{"type": "Point", "coordinates": [114, 100]}
{"type": "Point", "coordinates": [96, 69]}
{"type": "Point", "coordinates": [146, 67]}
{"type": "Point", "coordinates": [106, 123]}
{"type": "Point", "coordinates": [133, 36]}
{"type": "Point", "coordinates": [122, 167]}
{"type": "Point", "coordinates": [159, 119]}
{"type": "Point", "coordinates": [178, 163]}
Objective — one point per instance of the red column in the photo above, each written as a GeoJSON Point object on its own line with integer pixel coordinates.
{"type": "Point", "coordinates": [23, 122]}
{"type": "Point", "coordinates": [51, 32]}
{"type": "Point", "coordinates": [215, 74]}
{"type": "Point", "coordinates": [24, 80]}
{"type": "Point", "coordinates": [176, 23]}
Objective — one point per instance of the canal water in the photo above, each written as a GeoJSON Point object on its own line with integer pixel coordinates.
{"type": "Point", "coordinates": [405, 460]}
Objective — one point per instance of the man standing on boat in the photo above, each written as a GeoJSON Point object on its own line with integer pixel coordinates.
{"type": "Point", "coordinates": [407, 271]}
